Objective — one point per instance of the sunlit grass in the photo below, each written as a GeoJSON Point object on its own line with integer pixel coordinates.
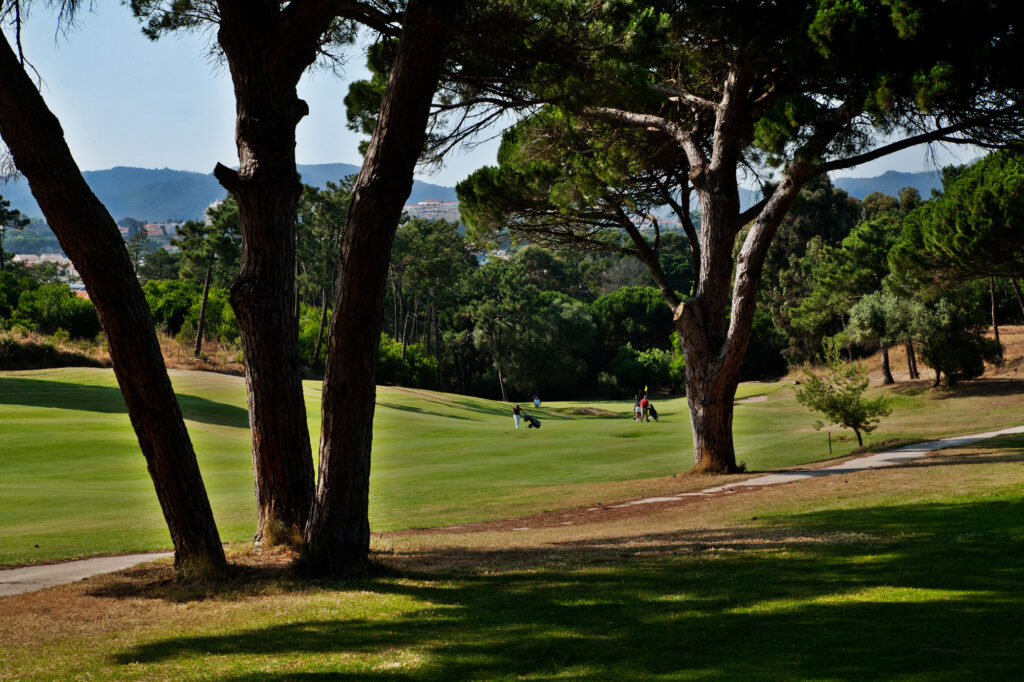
{"type": "Point", "coordinates": [73, 482]}
{"type": "Point", "coordinates": [868, 583]}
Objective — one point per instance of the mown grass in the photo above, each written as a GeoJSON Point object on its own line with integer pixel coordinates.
{"type": "Point", "coordinates": [909, 573]}
{"type": "Point", "coordinates": [73, 482]}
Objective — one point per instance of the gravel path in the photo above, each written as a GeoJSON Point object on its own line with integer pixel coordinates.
{"type": "Point", "coordinates": [30, 578]}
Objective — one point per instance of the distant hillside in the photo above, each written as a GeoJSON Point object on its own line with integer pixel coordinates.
{"type": "Point", "coordinates": [890, 182]}
{"type": "Point", "coordinates": [159, 195]}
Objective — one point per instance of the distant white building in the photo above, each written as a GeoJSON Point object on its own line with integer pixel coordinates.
{"type": "Point", "coordinates": [432, 209]}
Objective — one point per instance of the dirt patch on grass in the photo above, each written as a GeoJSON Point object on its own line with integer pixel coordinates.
{"type": "Point", "coordinates": [752, 399]}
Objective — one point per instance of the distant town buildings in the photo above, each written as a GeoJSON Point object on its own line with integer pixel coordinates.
{"type": "Point", "coordinates": [432, 209]}
{"type": "Point", "coordinates": [65, 268]}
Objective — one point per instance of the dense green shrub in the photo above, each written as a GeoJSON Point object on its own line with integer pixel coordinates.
{"type": "Point", "coordinates": [170, 302]}
{"type": "Point", "coordinates": [416, 369]}
{"type": "Point", "coordinates": [54, 306]}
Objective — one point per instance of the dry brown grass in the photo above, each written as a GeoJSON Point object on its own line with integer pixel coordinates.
{"type": "Point", "coordinates": [214, 357]}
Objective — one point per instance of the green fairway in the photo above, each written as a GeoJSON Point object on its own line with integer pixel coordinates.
{"type": "Point", "coordinates": [911, 573]}
{"type": "Point", "coordinates": [73, 482]}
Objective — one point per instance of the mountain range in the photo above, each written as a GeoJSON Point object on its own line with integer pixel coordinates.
{"type": "Point", "coordinates": [159, 195]}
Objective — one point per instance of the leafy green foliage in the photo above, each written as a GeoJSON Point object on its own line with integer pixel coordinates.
{"type": "Point", "coordinates": [952, 341]}
{"type": "Point", "coordinates": [838, 394]}
{"type": "Point", "coordinates": [633, 315]}
{"type": "Point", "coordinates": [973, 229]}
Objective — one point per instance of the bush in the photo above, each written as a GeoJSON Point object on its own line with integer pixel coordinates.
{"type": "Point", "coordinates": [417, 369]}
{"type": "Point", "coordinates": [170, 302]}
{"type": "Point", "coordinates": [54, 306]}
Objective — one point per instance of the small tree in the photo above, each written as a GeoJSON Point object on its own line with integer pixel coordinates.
{"type": "Point", "coordinates": [839, 395]}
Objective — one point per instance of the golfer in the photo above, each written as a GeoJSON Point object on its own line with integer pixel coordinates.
{"type": "Point", "coordinates": [516, 411]}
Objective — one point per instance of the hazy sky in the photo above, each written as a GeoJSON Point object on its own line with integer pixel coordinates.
{"type": "Point", "coordinates": [126, 101]}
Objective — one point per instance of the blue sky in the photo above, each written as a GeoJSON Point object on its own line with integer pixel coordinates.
{"type": "Point", "coordinates": [126, 101]}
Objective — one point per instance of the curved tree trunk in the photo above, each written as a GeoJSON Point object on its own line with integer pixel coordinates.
{"type": "Point", "coordinates": [202, 308]}
{"type": "Point", "coordinates": [91, 239]}
{"type": "Point", "coordinates": [886, 372]}
{"type": "Point", "coordinates": [338, 532]}
{"type": "Point", "coordinates": [266, 63]}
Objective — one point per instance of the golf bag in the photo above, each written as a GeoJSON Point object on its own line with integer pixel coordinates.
{"type": "Point", "coordinates": [531, 421]}
{"type": "Point", "coordinates": [651, 411]}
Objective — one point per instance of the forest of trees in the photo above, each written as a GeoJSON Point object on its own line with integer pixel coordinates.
{"type": "Point", "coordinates": [570, 324]}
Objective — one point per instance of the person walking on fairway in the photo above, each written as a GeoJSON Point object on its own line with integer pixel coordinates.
{"type": "Point", "coordinates": [516, 411]}
{"type": "Point", "coordinates": [644, 404]}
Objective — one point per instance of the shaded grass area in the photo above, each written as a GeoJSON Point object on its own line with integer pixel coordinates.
{"type": "Point", "coordinates": [73, 482]}
{"type": "Point", "coordinates": [914, 576]}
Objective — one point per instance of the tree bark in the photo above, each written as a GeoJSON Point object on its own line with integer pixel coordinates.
{"type": "Point", "coordinates": [886, 372]}
{"type": "Point", "coordinates": [992, 295]}
{"type": "Point", "coordinates": [91, 239]}
{"type": "Point", "coordinates": [501, 385]}
{"type": "Point", "coordinates": [320, 331]}
{"type": "Point", "coordinates": [338, 533]}
{"type": "Point", "coordinates": [202, 307]}
{"type": "Point", "coordinates": [266, 60]}
{"type": "Point", "coordinates": [912, 360]}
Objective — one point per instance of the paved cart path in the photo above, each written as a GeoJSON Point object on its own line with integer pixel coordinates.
{"type": "Point", "coordinates": [30, 578]}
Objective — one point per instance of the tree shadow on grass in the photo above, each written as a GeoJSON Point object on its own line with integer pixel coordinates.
{"type": "Point", "coordinates": [108, 400]}
{"type": "Point", "coordinates": [930, 591]}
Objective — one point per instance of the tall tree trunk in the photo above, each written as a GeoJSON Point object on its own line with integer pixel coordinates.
{"type": "Point", "coordinates": [91, 239]}
{"type": "Point", "coordinates": [1016, 290]}
{"type": "Point", "coordinates": [938, 377]}
{"type": "Point", "coordinates": [394, 296]}
{"type": "Point", "coordinates": [320, 330]}
{"type": "Point", "coordinates": [912, 360]}
{"type": "Point", "coordinates": [202, 307]}
{"type": "Point", "coordinates": [860, 440]}
{"type": "Point", "coordinates": [265, 69]}
{"type": "Point", "coordinates": [992, 295]}
{"type": "Point", "coordinates": [415, 321]}
{"type": "Point", "coordinates": [338, 532]}
{"type": "Point", "coordinates": [886, 372]}
{"type": "Point", "coordinates": [501, 384]}
{"type": "Point", "coordinates": [713, 334]}
{"type": "Point", "coordinates": [437, 347]}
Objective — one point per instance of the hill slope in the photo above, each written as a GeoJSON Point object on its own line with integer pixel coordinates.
{"type": "Point", "coordinates": [890, 182]}
{"type": "Point", "coordinates": [163, 194]}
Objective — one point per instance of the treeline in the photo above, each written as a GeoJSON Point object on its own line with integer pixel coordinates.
{"type": "Point", "coordinates": [926, 276]}
{"type": "Point", "coordinates": [539, 321]}
{"type": "Point", "coordinates": [882, 273]}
